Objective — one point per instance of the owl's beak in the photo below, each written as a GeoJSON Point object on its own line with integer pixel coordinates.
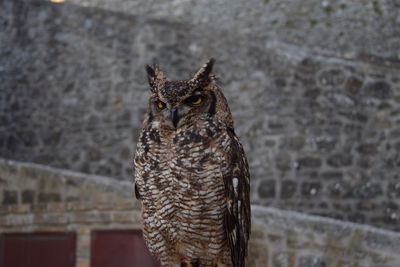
{"type": "Point", "coordinates": [174, 116]}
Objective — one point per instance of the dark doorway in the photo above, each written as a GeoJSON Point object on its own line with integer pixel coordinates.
{"type": "Point", "coordinates": [122, 248]}
{"type": "Point", "coordinates": [37, 250]}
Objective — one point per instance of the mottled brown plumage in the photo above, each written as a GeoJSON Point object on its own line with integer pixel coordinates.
{"type": "Point", "coordinates": [191, 174]}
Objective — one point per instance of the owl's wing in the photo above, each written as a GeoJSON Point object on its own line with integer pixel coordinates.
{"type": "Point", "coordinates": [137, 194]}
{"type": "Point", "coordinates": [237, 190]}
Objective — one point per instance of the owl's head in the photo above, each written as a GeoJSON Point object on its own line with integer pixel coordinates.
{"type": "Point", "coordinates": [175, 103]}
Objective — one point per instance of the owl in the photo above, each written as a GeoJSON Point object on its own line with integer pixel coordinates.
{"type": "Point", "coordinates": [191, 174]}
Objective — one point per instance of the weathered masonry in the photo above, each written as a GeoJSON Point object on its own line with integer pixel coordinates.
{"type": "Point", "coordinates": [88, 216]}
{"type": "Point", "coordinates": [314, 88]}
{"type": "Point", "coordinates": [75, 219]}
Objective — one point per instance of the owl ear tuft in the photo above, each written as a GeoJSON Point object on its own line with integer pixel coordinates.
{"type": "Point", "coordinates": [204, 72]}
{"type": "Point", "coordinates": [154, 74]}
{"type": "Point", "coordinates": [150, 71]}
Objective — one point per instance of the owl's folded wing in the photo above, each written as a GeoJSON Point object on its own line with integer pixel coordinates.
{"type": "Point", "coordinates": [137, 194]}
{"type": "Point", "coordinates": [237, 190]}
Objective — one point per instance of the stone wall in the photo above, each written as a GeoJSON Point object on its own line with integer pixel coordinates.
{"type": "Point", "coordinates": [291, 239]}
{"type": "Point", "coordinates": [314, 91]}
{"type": "Point", "coordinates": [35, 198]}
{"type": "Point", "coordinates": [31, 201]}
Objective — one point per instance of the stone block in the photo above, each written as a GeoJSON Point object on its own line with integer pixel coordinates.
{"type": "Point", "coordinates": [51, 219]}
{"type": "Point", "coordinates": [397, 146]}
{"type": "Point", "coordinates": [283, 259]}
{"type": "Point", "coordinates": [126, 204]}
{"type": "Point", "coordinates": [56, 207]}
{"type": "Point", "coordinates": [28, 196]}
{"type": "Point", "coordinates": [283, 162]}
{"type": "Point", "coordinates": [332, 175]}
{"type": "Point", "coordinates": [40, 207]}
{"type": "Point", "coordinates": [367, 205]}
{"type": "Point", "coordinates": [126, 217]}
{"type": "Point", "coordinates": [340, 189]}
{"type": "Point", "coordinates": [270, 143]}
{"type": "Point", "coordinates": [72, 199]}
{"type": "Point", "coordinates": [331, 78]}
{"type": "Point", "coordinates": [21, 208]}
{"type": "Point", "coordinates": [258, 254]}
{"type": "Point", "coordinates": [344, 263]}
{"type": "Point", "coordinates": [309, 162]}
{"type": "Point", "coordinates": [90, 217]}
{"type": "Point", "coordinates": [378, 89]}
{"type": "Point", "coordinates": [104, 205]}
{"type": "Point", "coordinates": [367, 190]}
{"type": "Point", "coordinates": [368, 148]}
{"type": "Point", "coordinates": [273, 238]}
{"type": "Point", "coordinates": [288, 189]}
{"type": "Point", "coordinates": [10, 197]}
{"type": "Point", "coordinates": [395, 133]}
{"type": "Point", "coordinates": [310, 189]}
{"type": "Point", "coordinates": [17, 220]}
{"type": "Point", "coordinates": [49, 197]}
{"type": "Point", "coordinates": [94, 155]}
{"type": "Point", "coordinates": [80, 206]}
{"type": "Point", "coordinates": [326, 143]}
{"type": "Point", "coordinates": [293, 142]}
{"type": "Point", "coordinates": [311, 261]}
{"type": "Point", "coordinates": [353, 85]}
{"type": "Point", "coordinates": [393, 190]}
{"type": "Point", "coordinates": [52, 138]}
{"type": "Point", "coordinates": [4, 209]}
{"type": "Point", "coordinates": [266, 189]}
{"type": "Point", "coordinates": [340, 160]}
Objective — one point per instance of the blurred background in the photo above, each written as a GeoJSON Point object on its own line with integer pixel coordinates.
{"type": "Point", "coordinates": [314, 88]}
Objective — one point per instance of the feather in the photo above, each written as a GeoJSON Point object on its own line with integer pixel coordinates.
{"type": "Point", "coordinates": [237, 214]}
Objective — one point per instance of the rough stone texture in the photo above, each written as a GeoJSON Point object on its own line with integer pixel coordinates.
{"type": "Point", "coordinates": [314, 90]}
{"type": "Point", "coordinates": [279, 238]}
{"type": "Point", "coordinates": [291, 239]}
{"type": "Point", "coordinates": [40, 185]}
{"type": "Point", "coordinates": [10, 197]}
{"type": "Point", "coordinates": [65, 201]}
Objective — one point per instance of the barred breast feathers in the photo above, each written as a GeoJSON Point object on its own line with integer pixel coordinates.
{"type": "Point", "coordinates": [191, 174]}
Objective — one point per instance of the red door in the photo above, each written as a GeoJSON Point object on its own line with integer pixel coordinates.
{"type": "Point", "coordinates": [37, 250]}
{"type": "Point", "coordinates": [122, 248]}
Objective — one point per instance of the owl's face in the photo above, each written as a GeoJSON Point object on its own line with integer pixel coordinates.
{"type": "Point", "coordinates": [177, 103]}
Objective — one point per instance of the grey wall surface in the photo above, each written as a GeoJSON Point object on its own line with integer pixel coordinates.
{"type": "Point", "coordinates": [314, 88]}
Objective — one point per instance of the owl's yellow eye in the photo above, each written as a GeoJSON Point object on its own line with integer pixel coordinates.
{"type": "Point", "coordinates": [160, 105]}
{"type": "Point", "coordinates": [195, 100]}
